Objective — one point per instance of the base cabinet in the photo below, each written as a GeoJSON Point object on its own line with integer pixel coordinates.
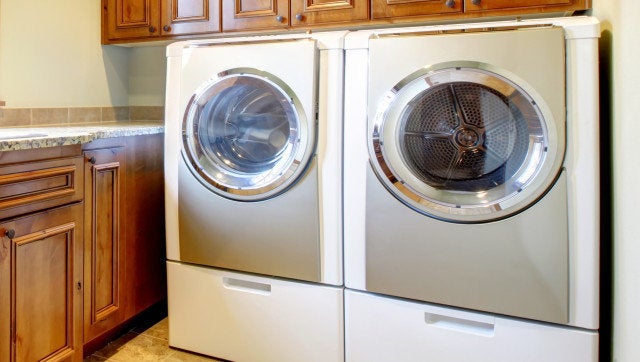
{"type": "Point", "coordinates": [124, 250]}
{"type": "Point", "coordinates": [41, 286]}
{"type": "Point", "coordinates": [82, 248]}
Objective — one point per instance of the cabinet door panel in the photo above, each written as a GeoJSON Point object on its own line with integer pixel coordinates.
{"type": "Point", "coordinates": [254, 14]}
{"type": "Point", "coordinates": [45, 275]}
{"type": "Point", "coordinates": [481, 5]}
{"type": "Point", "coordinates": [103, 251]}
{"type": "Point", "coordinates": [182, 17]}
{"type": "Point", "coordinates": [130, 18]}
{"type": "Point", "coordinates": [401, 8]}
{"type": "Point", "coordinates": [316, 12]}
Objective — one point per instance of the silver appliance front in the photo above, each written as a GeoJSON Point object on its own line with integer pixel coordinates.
{"type": "Point", "coordinates": [466, 201]}
{"type": "Point", "coordinates": [248, 178]}
{"type": "Point", "coordinates": [226, 233]}
{"type": "Point", "coordinates": [461, 142]}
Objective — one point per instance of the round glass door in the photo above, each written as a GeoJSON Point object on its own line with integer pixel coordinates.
{"type": "Point", "coordinates": [465, 144]}
{"type": "Point", "coordinates": [245, 135]}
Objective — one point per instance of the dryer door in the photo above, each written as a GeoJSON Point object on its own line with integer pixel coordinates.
{"type": "Point", "coordinates": [245, 135]}
{"type": "Point", "coordinates": [464, 142]}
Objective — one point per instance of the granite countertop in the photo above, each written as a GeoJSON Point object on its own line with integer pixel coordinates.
{"type": "Point", "coordinates": [23, 138]}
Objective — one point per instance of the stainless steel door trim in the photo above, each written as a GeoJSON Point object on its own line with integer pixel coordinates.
{"type": "Point", "coordinates": [290, 155]}
{"type": "Point", "coordinates": [544, 156]}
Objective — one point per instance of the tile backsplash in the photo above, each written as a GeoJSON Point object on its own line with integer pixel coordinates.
{"type": "Point", "coordinates": [18, 117]}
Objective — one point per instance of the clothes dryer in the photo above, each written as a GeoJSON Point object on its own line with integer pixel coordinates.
{"type": "Point", "coordinates": [477, 148]}
{"type": "Point", "coordinates": [253, 195]}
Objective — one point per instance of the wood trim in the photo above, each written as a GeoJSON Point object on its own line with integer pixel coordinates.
{"type": "Point", "coordinates": [64, 187]}
{"type": "Point", "coordinates": [34, 186]}
{"type": "Point", "coordinates": [99, 313]}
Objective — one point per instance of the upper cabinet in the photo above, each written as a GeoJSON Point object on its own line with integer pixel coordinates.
{"type": "Point", "coordinates": [243, 15]}
{"type": "Point", "coordinates": [131, 20]}
{"type": "Point", "coordinates": [145, 20]}
{"type": "Point", "coordinates": [384, 9]}
{"type": "Point", "coordinates": [532, 5]}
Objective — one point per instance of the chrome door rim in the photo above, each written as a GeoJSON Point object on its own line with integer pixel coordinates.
{"type": "Point", "coordinates": [543, 160]}
{"type": "Point", "coordinates": [228, 180]}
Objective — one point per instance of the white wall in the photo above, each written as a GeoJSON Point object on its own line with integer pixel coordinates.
{"type": "Point", "coordinates": [51, 56]}
{"type": "Point", "coordinates": [621, 44]}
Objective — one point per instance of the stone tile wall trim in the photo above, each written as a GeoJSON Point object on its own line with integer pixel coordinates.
{"type": "Point", "coordinates": [20, 117]}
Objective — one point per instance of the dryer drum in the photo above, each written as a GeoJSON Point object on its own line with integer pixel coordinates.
{"type": "Point", "coordinates": [463, 136]}
{"type": "Point", "coordinates": [464, 143]}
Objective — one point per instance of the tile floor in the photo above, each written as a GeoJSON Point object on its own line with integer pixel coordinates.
{"type": "Point", "coordinates": [145, 343]}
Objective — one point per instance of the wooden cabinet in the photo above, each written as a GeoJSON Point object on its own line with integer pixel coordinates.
{"type": "Point", "coordinates": [532, 5]}
{"type": "Point", "coordinates": [103, 249]}
{"type": "Point", "coordinates": [41, 266]}
{"type": "Point", "coordinates": [80, 230]}
{"type": "Point", "coordinates": [139, 20]}
{"type": "Point", "coordinates": [385, 9]}
{"type": "Point", "coordinates": [274, 14]}
{"type": "Point", "coordinates": [432, 9]}
{"type": "Point", "coordinates": [41, 231]}
{"type": "Point", "coordinates": [124, 249]}
{"type": "Point", "coordinates": [149, 19]}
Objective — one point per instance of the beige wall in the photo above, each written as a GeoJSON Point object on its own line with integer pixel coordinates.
{"type": "Point", "coordinates": [620, 48]}
{"type": "Point", "coordinates": [50, 56]}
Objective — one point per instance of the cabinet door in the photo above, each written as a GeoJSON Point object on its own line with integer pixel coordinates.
{"type": "Point", "coordinates": [41, 286]}
{"type": "Point", "coordinates": [383, 9]}
{"type": "Point", "coordinates": [482, 5]}
{"type": "Point", "coordinates": [103, 241]}
{"type": "Point", "coordinates": [316, 12]}
{"type": "Point", "coordinates": [129, 19]}
{"type": "Point", "coordinates": [181, 17]}
{"type": "Point", "coordinates": [254, 14]}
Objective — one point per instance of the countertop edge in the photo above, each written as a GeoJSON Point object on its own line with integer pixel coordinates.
{"type": "Point", "coordinates": [54, 136]}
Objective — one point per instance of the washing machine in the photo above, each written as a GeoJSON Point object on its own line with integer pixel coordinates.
{"type": "Point", "coordinates": [253, 196]}
{"type": "Point", "coordinates": [471, 191]}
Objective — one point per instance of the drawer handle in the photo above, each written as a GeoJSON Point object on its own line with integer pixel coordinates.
{"type": "Point", "coordinates": [9, 233]}
{"type": "Point", "coordinates": [477, 327]}
{"type": "Point", "coordinates": [92, 160]}
{"type": "Point", "coordinates": [246, 286]}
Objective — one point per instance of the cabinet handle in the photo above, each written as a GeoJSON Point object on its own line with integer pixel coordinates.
{"type": "Point", "coordinates": [92, 160]}
{"type": "Point", "coordinates": [279, 18]}
{"type": "Point", "coordinates": [9, 233]}
{"type": "Point", "coordinates": [299, 17]}
{"type": "Point", "coordinates": [450, 3]}
{"type": "Point", "coordinates": [475, 2]}
{"type": "Point", "coordinates": [166, 28]}
{"type": "Point", "coordinates": [152, 29]}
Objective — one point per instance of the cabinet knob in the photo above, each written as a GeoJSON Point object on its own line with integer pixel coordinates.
{"type": "Point", "coordinates": [450, 3]}
{"type": "Point", "coordinates": [92, 160]}
{"type": "Point", "coordinates": [166, 28]}
{"type": "Point", "coordinates": [299, 17]}
{"type": "Point", "coordinates": [476, 2]}
{"type": "Point", "coordinates": [279, 18]}
{"type": "Point", "coordinates": [10, 233]}
{"type": "Point", "coordinates": [152, 29]}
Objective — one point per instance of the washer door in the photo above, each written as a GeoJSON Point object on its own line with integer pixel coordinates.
{"type": "Point", "coordinates": [465, 142]}
{"type": "Point", "coordinates": [245, 135]}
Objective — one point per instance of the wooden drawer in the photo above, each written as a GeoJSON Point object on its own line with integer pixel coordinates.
{"type": "Point", "coordinates": [32, 186]}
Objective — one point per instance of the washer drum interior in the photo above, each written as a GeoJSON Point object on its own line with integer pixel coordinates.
{"type": "Point", "coordinates": [245, 135]}
{"type": "Point", "coordinates": [465, 143]}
